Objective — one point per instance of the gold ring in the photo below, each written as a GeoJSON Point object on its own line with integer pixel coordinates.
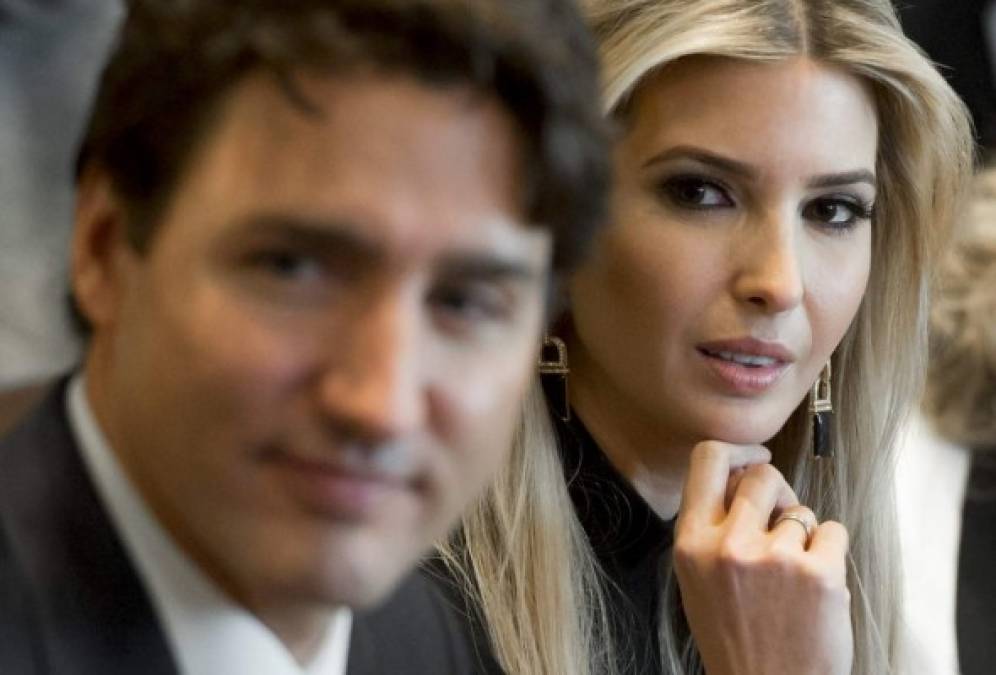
{"type": "Point", "coordinates": [796, 518]}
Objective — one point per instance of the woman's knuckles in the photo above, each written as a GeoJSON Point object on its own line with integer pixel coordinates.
{"type": "Point", "coordinates": [732, 560]}
{"type": "Point", "coordinates": [690, 552]}
{"type": "Point", "coordinates": [766, 474]}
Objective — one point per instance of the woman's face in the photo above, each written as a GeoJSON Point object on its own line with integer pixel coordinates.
{"type": "Point", "coordinates": [739, 249]}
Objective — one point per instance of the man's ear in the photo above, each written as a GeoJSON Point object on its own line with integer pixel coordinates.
{"type": "Point", "coordinates": [99, 248]}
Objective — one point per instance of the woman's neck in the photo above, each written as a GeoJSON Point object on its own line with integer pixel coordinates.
{"type": "Point", "coordinates": [642, 450]}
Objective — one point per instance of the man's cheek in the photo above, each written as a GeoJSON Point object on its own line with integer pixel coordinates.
{"type": "Point", "coordinates": [471, 464]}
{"type": "Point", "coordinates": [477, 423]}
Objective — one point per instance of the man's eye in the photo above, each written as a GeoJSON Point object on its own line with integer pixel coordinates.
{"type": "Point", "coordinates": [695, 193]}
{"type": "Point", "coordinates": [288, 265]}
{"type": "Point", "coordinates": [476, 303]}
{"type": "Point", "coordinates": [836, 212]}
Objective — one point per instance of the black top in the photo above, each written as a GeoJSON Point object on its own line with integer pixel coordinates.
{"type": "Point", "coordinates": [631, 542]}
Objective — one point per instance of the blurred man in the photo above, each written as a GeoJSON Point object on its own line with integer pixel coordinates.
{"type": "Point", "coordinates": [312, 250]}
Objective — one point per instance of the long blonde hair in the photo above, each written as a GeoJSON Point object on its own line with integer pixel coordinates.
{"type": "Point", "coordinates": [522, 554]}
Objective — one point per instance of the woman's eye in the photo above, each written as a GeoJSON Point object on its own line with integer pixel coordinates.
{"type": "Point", "coordinates": [836, 213]}
{"type": "Point", "coordinates": [696, 193]}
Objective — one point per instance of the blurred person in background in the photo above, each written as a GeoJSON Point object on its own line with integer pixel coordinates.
{"type": "Point", "coordinates": [947, 474]}
{"type": "Point", "coordinates": [785, 174]}
{"type": "Point", "coordinates": [313, 248]}
{"type": "Point", "coordinates": [15, 402]}
{"type": "Point", "coordinates": [51, 52]}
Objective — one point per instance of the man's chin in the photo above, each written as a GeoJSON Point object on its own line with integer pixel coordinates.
{"type": "Point", "coordinates": [369, 593]}
{"type": "Point", "coordinates": [341, 564]}
{"type": "Point", "coordinates": [361, 584]}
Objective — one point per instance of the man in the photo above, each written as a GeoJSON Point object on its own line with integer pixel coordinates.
{"type": "Point", "coordinates": [313, 244]}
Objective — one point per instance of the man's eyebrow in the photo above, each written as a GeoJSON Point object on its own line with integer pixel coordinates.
{"type": "Point", "coordinates": [703, 156]}
{"type": "Point", "coordinates": [487, 267]}
{"type": "Point", "coordinates": [329, 235]}
{"type": "Point", "coordinates": [843, 178]}
{"type": "Point", "coordinates": [343, 240]}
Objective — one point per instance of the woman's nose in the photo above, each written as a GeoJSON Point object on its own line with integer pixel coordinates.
{"type": "Point", "coordinates": [769, 271]}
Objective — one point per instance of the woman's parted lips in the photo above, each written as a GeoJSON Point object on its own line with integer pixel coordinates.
{"type": "Point", "coordinates": [751, 351]}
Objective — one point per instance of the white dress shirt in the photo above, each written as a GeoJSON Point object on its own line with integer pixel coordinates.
{"type": "Point", "coordinates": [208, 633]}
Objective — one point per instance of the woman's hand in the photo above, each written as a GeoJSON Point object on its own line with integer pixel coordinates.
{"type": "Point", "coordinates": [759, 600]}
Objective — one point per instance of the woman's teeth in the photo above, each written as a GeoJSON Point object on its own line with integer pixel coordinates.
{"type": "Point", "coordinates": [745, 359]}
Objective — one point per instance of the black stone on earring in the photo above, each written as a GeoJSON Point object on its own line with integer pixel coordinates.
{"type": "Point", "coordinates": [821, 435]}
{"type": "Point", "coordinates": [553, 370]}
{"type": "Point", "coordinates": [557, 399]}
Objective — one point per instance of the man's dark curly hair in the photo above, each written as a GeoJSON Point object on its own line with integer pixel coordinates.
{"type": "Point", "coordinates": [176, 60]}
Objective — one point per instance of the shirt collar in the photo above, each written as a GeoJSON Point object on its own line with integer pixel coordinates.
{"type": "Point", "coordinates": [208, 632]}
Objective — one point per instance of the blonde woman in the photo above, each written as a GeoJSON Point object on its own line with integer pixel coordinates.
{"type": "Point", "coordinates": [785, 172]}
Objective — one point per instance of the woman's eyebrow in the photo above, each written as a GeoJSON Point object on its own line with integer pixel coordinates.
{"type": "Point", "coordinates": [745, 170]}
{"type": "Point", "coordinates": [843, 178]}
{"type": "Point", "coordinates": [703, 156]}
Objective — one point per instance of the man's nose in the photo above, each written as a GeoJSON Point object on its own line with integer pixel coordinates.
{"type": "Point", "coordinates": [373, 383]}
{"type": "Point", "coordinates": [768, 268]}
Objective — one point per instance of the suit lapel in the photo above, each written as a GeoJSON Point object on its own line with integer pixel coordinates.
{"type": "Point", "coordinates": [92, 613]}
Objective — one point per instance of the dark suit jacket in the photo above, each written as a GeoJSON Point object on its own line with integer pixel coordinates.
{"type": "Point", "coordinates": [71, 603]}
{"type": "Point", "coordinates": [15, 403]}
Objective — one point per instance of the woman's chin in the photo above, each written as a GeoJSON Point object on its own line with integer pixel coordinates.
{"type": "Point", "coordinates": [734, 420]}
{"type": "Point", "coordinates": [742, 433]}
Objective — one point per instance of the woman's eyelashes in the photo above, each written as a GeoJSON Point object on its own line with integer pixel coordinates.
{"type": "Point", "coordinates": [688, 191]}
{"type": "Point", "coordinates": [836, 212]}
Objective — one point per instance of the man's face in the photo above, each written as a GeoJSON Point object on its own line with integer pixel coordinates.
{"type": "Point", "coordinates": [318, 363]}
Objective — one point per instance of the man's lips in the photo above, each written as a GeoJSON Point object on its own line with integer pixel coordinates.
{"type": "Point", "coordinates": [360, 472]}
{"type": "Point", "coordinates": [338, 490]}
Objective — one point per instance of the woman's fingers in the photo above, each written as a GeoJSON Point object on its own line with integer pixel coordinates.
{"type": "Point", "coordinates": [736, 475]}
{"type": "Point", "coordinates": [751, 583]}
{"type": "Point", "coordinates": [763, 491]}
{"type": "Point", "coordinates": [830, 542]}
{"type": "Point", "coordinates": [794, 527]}
{"type": "Point", "coordinates": [709, 470]}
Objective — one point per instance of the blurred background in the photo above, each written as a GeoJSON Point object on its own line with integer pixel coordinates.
{"type": "Point", "coordinates": [51, 52]}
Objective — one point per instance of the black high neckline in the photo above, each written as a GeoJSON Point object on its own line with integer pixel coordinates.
{"type": "Point", "coordinates": [620, 524]}
{"type": "Point", "coordinates": [631, 542]}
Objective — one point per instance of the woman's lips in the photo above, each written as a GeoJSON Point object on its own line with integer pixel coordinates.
{"type": "Point", "coordinates": [746, 366]}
